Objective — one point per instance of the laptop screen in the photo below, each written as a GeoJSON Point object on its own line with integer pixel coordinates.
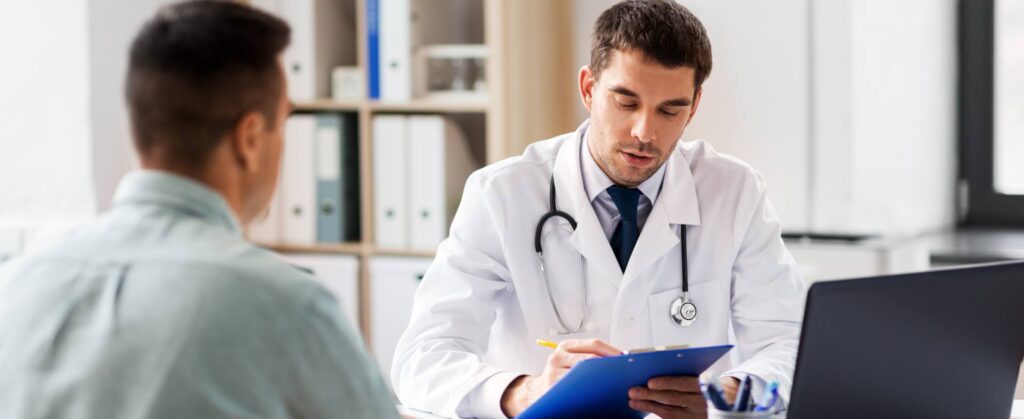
{"type": "Point", "coordinates": [936, 344]}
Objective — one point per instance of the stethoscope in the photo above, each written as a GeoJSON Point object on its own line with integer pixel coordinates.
{"type": "Point", "coordinates": [682, 311]}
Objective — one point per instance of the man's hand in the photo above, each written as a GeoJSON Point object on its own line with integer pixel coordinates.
{"type": "Point", "coordinates": [729, 386]}
{"type": "Point", "coordinates": [525, 390]}
{"type": "Point", "coordinates": [676, 397]}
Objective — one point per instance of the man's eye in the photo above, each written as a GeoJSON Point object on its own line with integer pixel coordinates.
{"type": "Point", "coordinates": [627, 105]}
{"type": "Point", "coordinates": [669, 113]}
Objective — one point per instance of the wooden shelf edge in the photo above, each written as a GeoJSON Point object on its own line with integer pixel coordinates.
{"type": "Point", "coordinates": [403, 252]}
{"type": "Point", "coordinates": [345, 249]}
{"type": "Point", "coordinates": [328, 105]}
{"type": "Point", "coordinates": [342, 248]}
{"type": "Point", "coordinates": [438, 106]}
{"type": "Point", "coordinates": [419, 106]}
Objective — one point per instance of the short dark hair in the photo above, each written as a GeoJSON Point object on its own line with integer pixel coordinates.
{"type": "Point", "coordinates": [663, 31]}
{"type": "Point", "coordinates": [195, 69]}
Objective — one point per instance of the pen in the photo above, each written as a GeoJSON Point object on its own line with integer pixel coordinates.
{"type": "Point", "coordinates": [554, 345]}
{"type": "Point", "coordinates": [771, 396]}
{"type": "Point", "coordinates": [743, 396]}
{"type": "Point", "coordinates": [711, 393]}
{"type": "Point", "coordinates": [547, 343]}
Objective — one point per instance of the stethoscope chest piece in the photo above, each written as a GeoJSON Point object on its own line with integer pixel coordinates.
{"type": "Point", "coordinates": [683, 311]}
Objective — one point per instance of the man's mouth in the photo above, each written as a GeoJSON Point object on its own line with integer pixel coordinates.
{"type": "Point", "coordinates": [637, 159]}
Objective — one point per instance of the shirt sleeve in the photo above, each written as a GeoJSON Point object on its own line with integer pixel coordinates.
{"type": "Point", "coordinates": [484, 401]}
{"type": "Point", "coordinates": [757, 384]}
{"type": "Point", "coordinates": [767, 293]}
{"type": "Point", "coordinates": [438, 365]}
{"type": "Point", "coordinates": [331, 373]}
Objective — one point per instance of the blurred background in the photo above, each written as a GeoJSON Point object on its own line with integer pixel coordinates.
{"type": "Point", "coordinates": [891, 133]}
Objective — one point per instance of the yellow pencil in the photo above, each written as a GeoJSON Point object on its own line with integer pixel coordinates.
{"type": "Point", "coordinates": [547, 343]}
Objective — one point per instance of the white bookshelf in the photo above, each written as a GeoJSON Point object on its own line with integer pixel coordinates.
{"type": "Point", "coordinates": [529, 76]}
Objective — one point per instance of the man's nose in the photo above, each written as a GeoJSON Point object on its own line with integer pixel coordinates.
{"type": "Point", "coordinates": [643, 129]}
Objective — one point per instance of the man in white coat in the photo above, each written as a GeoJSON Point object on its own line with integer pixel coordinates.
{"type": "Point", "coordinates": [639, 200]}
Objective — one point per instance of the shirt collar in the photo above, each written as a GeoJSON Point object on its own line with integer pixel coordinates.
{"type": "Point", "coordinates": [595, 181]}
{"type": "Point", "coordinates": [177, 192]}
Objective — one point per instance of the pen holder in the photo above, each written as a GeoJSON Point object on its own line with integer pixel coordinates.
{"type": "Point", "coordinates": [720, 414]}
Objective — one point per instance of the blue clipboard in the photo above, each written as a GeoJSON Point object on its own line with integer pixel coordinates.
{"type": "Point", "coordinates": [599, 387]}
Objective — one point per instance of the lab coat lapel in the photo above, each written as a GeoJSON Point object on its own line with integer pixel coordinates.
{"type": "Point", "coordinates": [588, 239]}
{"type": "Point", "coordinates": [676, 204]}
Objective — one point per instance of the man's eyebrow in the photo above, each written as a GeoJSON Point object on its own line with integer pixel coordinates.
{"type": "Point", "coordinates": [677, 102]}
{"type": "Point", "coordinates": [623, 91]}
{"type": "Point", "coordinates": [671, 102]}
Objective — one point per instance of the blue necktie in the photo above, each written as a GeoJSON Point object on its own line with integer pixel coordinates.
{"type": "Point", "coordinates": [627, 232]}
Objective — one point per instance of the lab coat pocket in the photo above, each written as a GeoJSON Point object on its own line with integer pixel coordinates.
{"type": "Point", "coordinates": [710, 327]}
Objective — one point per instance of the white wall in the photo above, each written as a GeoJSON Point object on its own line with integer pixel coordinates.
{"type": "Point", "coordinates": [65, 141]}
{"type": "Point", "coordinates": [584, 14]}
{"type": "Point", "coordinates": [916, 117]}
{"type": "Point", "coordinates": [847, 107]}
{"type": "Point", "coordinates": [755, 104]}
{"type": "Point", "coordinates": [112, 25]}
{"type": "Point", "coordinates": [885, 130]}
{"type": "Point", "coordinates": [44, 124]}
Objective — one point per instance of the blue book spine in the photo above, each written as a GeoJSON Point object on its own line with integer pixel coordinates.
{"type": "Point", "coordinates": [373, 48]}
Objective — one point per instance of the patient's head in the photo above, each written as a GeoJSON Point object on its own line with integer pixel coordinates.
{"type": "Point", "coordinates": [208, 99]}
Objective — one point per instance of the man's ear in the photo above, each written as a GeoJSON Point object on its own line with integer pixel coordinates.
{"type": "Point", "coordinates": [696, 104]}
{"type": "Point", "coordinates": [246, 141]}
{"type": "Point", "coordinates": [586, 85]}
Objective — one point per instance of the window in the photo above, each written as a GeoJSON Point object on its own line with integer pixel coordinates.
{"type": "Point", "coordinates": [991, 101]}
{"type": "Point", "coordinates": [1009, 97]}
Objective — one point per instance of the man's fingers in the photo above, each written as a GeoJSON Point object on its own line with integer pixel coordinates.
{"type": "Point", "coordinates": [665, 397]}
{"type": "Point", "coordinates": [589, 346]}
{"type": "Point", "coordinates": [660, 409]}
{"type": "Point", "coordinates": [569, 359]}
{"type": "Point", "coordinates": [683, 384]}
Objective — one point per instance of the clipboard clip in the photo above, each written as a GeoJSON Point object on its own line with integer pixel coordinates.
{"type": "Point", "coordinates": [654, 349]}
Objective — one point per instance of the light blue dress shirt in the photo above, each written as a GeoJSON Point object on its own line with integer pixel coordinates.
{"type": "Point", "coordinates": [596, 184]}
{"type": "Point", "coordinates": [160, 309]}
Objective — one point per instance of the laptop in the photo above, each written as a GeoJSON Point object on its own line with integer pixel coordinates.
{"type": "Point", "coordinates": [937, 344]}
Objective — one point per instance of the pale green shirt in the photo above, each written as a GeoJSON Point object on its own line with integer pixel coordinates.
{"type": "Point", "coordinates": [160, 309]}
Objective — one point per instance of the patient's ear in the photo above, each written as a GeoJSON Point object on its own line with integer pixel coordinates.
{"type": "Point", "coordinates": [247, 140]}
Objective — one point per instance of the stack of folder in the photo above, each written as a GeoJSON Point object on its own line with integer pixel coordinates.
{"type": "Point", "coordinates": [420, 165]}
{"type": "Point", "coordinates": [317, 199]}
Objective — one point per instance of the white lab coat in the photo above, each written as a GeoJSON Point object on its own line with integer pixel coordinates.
{"type": "Point", "coordinates": [483, 303]}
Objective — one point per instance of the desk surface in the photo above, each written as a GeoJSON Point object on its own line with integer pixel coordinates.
{"type": "Point", "coordinates": [1016, 413]}
{"type": "Point", "coordinates": [977, 245]}
{"type": "Point", "coordinates": [1018, 409]}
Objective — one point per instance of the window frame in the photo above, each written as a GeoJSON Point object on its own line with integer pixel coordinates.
{"type": "Point", "coordinates": [980, 204]}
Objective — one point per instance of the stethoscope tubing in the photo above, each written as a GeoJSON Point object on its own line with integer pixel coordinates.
{"type": "Point", "coordinates": [553, 212]}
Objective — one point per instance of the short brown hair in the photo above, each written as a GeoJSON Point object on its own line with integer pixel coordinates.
{"type": "Point", "coordinates": [663, 31]}
{"type": "Point", "coordinates": [194, 70]}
